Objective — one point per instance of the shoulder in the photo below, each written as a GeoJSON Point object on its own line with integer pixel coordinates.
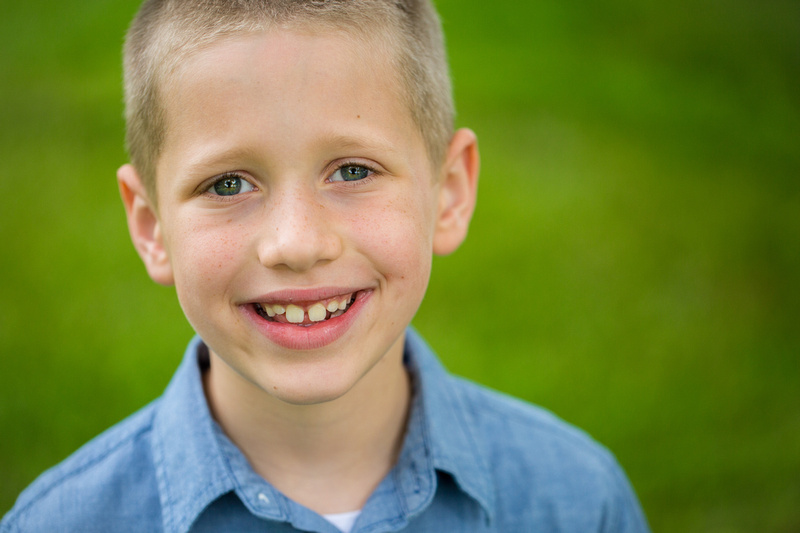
{"type": "Point", "coordinates": [546, 470]}
{"type": "Point", "coordinates": [504, 422]}
{"type": "Point", "coordinates": [114, 473]}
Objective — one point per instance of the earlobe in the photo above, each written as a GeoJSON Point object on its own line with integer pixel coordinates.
{"type": "Point", "coordinates": [457, 192]}
{"type": "Point", "coordinates": [144, 226]}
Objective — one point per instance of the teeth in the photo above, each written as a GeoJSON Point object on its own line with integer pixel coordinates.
{"type": "Point", "coordinates": [317, 312]}
{"type": "Point", "coordinates": [294, 314]}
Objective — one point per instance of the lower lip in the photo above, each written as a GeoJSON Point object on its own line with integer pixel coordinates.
{"type": "Point", "coordinates": [310, 337]}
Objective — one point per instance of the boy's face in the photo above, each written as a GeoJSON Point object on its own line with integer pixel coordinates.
{"type": "Point", "coordinates": [293, 182]}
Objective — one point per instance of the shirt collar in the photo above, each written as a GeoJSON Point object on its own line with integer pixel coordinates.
{"type": "Point", "coordinates": [452, 442]}
{"type": "Point", "coordinates": [190, 468]}
{"type": "Point", "coordinates": [193, 465]}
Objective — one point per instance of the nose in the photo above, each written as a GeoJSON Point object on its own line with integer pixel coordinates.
{"type": "Point", "coordinates": [298, 232]}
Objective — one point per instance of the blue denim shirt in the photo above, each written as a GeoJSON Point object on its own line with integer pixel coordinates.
{"type": "Point", "coordinates": [472, 460]}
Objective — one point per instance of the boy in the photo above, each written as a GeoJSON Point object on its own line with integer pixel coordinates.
{"type": "Point", "coordinates": [293, 171]}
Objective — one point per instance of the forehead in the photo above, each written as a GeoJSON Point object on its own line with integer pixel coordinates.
{"type": "Point", "coordinates": [286, 88]}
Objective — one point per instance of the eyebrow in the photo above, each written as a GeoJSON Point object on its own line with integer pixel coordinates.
{"type": "Point", "coordinates": [200, 163]}
{"type": "Point", "coordinates": [360, 142]}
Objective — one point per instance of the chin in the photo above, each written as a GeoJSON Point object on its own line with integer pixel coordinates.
{"type": "Point", "coordinates": [307, 395]}
{"type": "Point", "coordinates": [308, 384]}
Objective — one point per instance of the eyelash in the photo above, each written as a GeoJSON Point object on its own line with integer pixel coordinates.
{"type": "Point", "coordinates": [354, 183]}
{"type": "Point", "coordinates": [227, 175]}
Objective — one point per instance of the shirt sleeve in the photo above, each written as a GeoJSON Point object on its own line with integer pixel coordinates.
{"type": "Point", "coordinates": [626, 516]}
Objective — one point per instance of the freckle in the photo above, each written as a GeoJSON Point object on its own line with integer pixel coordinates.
{"type": "Point", "coordinates": [358, 116]}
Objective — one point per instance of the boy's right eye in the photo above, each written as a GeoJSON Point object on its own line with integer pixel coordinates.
{"type": "Point", "coordinates": [230, 185]}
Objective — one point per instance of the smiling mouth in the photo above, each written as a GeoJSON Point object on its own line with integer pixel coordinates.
{"type": "Point", "coordinates": [306, 314]}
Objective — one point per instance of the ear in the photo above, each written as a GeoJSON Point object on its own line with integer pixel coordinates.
{"type": "Point", "coordinates": [144, 226]}
{"type": "Point", "coordinates": [458, 188]}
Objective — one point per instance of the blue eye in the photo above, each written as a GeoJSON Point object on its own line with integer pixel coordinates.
{"type": "Point", "coordinates": [230, 185]}
{"type": "Point", "coordinates": [350, 173]}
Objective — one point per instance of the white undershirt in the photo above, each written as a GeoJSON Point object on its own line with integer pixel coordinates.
{"type": "Point", "coordinates": [343, 521]}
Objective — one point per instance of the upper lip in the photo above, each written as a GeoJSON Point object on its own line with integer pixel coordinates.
{"type": "Point", "coordinates": [305, 295]}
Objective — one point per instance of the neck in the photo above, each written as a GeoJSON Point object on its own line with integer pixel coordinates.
{"type": "Point", "coordinates": [328, 456]}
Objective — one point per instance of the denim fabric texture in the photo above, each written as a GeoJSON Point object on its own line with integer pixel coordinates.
{"type": "Point", "coordinates": [473, 460]}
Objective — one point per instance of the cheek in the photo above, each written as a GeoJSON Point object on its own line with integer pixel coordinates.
{"type": "Point", "coordinates": [205, 258]}
{"type": "Point", "coordinates": [397, 236]}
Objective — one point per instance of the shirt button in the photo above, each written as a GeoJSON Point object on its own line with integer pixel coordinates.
{"type": "Point", "coordinates": [263, 497]}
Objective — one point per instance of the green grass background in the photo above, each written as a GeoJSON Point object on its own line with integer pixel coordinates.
{"type": "Point", "coordinates": [634, 263]}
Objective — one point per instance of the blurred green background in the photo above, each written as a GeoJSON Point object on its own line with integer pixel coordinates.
{"type": "Point", "coordinates": [633, 266]}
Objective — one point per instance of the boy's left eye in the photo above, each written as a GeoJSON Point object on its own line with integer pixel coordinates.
{"type": "Point", "coordinates": [350, 173]}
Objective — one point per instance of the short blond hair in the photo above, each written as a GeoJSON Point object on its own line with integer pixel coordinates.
{"type": "Point", "coordinates": [166, 32]}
